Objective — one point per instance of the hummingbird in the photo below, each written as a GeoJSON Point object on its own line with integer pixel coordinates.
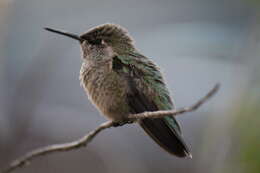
{"type": "Point", "coordinates": [120, 81]}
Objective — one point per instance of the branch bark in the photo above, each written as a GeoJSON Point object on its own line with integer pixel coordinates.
{"type": "Point", "coordinates": [85, 140]}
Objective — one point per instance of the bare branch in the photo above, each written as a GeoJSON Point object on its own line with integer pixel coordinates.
{"type": "Point", "coordinates": [160, 114]}
{"type": "Point", "coordinates": [82, 142]}
{"type": "Point", "coordinates": [25, 160]}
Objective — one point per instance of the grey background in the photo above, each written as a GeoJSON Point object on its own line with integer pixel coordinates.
{"type": "Point", "coordinates": [196, 43]}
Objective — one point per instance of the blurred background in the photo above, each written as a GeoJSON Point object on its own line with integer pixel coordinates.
{"type": "Point", "coordinates": [196, 43]}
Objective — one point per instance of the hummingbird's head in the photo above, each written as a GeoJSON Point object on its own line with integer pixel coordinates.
{"type": "Point", "coordinates": [103, 41]}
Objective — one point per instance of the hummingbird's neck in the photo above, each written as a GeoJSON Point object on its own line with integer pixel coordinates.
{"type": "Point", "coordinates": [124, 49]}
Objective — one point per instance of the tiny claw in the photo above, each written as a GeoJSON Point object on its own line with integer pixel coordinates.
{"type": "Point", "coordinates": [130, 121]}
{"type": "Point", "coordinates": [121, 123]}
{"type": "Point", "coordinates": [117, 124]}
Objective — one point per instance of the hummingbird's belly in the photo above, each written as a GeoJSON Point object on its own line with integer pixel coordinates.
{"type": "Point", "coordinates": [107, 90]}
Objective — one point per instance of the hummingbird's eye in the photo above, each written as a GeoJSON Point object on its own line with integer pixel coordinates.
{"type": "Point", "coordinates": [95, 42]}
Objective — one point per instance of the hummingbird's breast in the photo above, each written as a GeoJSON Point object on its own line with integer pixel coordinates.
{"type": "Point", "coordinates": [106, 89]}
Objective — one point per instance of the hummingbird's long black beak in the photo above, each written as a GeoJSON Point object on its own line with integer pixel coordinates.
{"type": "Point", "coordinates": [74, 36]}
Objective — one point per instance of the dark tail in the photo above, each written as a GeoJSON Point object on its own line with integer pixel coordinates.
{"type": "Point", "coordinates": [167, 137]}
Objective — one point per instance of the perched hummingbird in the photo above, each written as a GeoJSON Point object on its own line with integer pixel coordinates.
{"type": "Point", "coordinates": [120, 81]}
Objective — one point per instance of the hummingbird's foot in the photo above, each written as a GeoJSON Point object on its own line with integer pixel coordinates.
{"type": "Point", "coordinates": [117, 124]}
{"type": "Point", "coordinates": [130, 121]}
{"type": "Point", "coordinates": [121, 123]}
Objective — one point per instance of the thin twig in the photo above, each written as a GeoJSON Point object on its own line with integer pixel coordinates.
{"type": "Point", "coordinates": [25, 160]}
{"type": "Point", "coordinates": [82, 142]}
{"type": "Point", "coordinates": [160, 114]}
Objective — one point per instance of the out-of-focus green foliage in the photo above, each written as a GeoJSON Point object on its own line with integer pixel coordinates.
{"type": "Point", "coordinates": [257, 2]}
{"type": "Point", "coordinates": [247, 131]}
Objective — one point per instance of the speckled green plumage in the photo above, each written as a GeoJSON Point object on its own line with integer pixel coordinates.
{"type": "Point", "coordinates": [148, 92]}
{"type": "Point", "coordinates": [153, 79]}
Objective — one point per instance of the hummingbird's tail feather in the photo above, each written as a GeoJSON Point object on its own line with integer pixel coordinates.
{"type": "Point", "coordinates": [166, 137]}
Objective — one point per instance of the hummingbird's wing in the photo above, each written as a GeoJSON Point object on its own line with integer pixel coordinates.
{"type": "Point", "coordinates": [147, 92]}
